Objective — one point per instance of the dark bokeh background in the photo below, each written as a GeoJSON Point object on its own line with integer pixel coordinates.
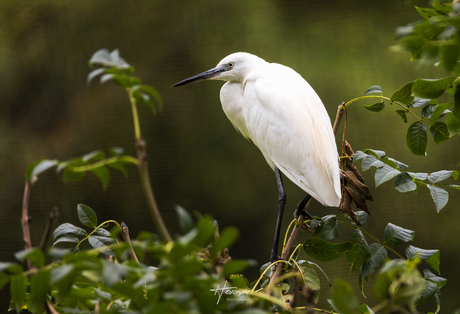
{"type": "Point", "coordinates": [196, 158]}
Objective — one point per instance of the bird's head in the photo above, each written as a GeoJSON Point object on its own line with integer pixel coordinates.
{"type": "Point", "coordinates": [234, 67]}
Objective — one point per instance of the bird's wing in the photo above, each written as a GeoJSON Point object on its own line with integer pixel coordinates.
{"type": "Point", "coordinates": [288, 122]}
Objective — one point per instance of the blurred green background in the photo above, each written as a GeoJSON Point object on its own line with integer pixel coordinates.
{"type": "Point", "coordinates": [196, 158]}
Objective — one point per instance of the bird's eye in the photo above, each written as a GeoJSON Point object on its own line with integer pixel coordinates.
{"type": "Point", "coordinates": [231, 64]}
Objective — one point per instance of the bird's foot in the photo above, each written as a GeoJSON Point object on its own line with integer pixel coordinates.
{"type": "Point", "coordinates": [303, 212]}
{"type": "Point", "coordinates": [275, 258]}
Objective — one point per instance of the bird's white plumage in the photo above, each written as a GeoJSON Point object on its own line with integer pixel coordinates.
{"type": "Point", "coordinates": [274, 107]}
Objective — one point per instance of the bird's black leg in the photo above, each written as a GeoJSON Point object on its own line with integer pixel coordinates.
{"type": "Point", "coordinates": [282, 202]}
{"type": "Point", "coordinates": [301, 207]}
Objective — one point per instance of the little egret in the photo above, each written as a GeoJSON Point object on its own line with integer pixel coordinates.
{"type": "Point", "coordinates": [274, 107]}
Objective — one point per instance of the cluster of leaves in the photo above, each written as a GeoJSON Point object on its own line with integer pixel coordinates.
{"type": "Point", "coordinates": [76, 168]}
{"type": "Point", "coordinates": [389, 168]}
{"type": "Point", "coordinates": [84, 281]}
{"type": "Point", "coordinates": [421, 94]}
{"type": "Point", "coordinates": [436, 35]}
{"type": "Point", "coordinates": [368, 258]}
{"type": "Point", "coordinates": [114, 68]}
{"type": "Point", "coordinates": [99, 237]}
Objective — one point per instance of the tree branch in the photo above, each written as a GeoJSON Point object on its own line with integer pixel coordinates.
{"type": "Point", "coordinates": [46, 234]}
{"type": "Point", "coordinates": [25, 218]}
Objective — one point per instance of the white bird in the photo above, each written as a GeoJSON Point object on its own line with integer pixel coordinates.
{"type": "Point", "coordinates": [274, 107]}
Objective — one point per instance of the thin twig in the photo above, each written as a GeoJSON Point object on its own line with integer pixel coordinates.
{"type": "Point", "coordinates": [46, 234]}
{"type": "Point", "coordinates": [126, 237]}
{"type": "Point", "coordinates": [147, 186]}
{"type": "Point", "coordinates": [338, 117]}
{"type": "Point", "coordinates": [25, 218]}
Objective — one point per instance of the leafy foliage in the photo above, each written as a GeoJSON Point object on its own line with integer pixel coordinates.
{"type": "Point", "coordinates": [389, 168]}
{"type": "Point", "coordinates": [195, 273]}
{"type": "Point", "coordinates": [114, 68]}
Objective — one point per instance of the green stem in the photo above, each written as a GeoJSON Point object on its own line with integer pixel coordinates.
{"type": "Point", "coordinates": [137, 128]}
{"type": "Point", "coordinates": [384, 98]}
{"type": "Point", "coordinates": [144, 173]}
{"type": "Point", "coordinates": [104, 162]}
{"type": "Point", "coordinates": [371, 236]}
{"type": "Point", "coordinates": [95, 230]}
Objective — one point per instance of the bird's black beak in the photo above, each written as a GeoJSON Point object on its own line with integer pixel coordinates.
{"type": "Point", "coordinates": [202, 76]}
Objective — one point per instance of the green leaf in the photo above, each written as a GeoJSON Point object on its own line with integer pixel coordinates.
{"type": "Point", "coordinates": [450, 55]}
{"type": "Point", "coordinates": [431, 257]}
{"type": "Point", "coordinates": [239, 281]}
{"type": "Point", "coordinates": [325, 251]}
{"type": "Point", "coordinates": [4, 279]}
{"type": "Point", "coordinates": [330, 228]}
{"type": "Point", "coordinates": [13, 268]}
{"type": "Point", "coordinates": [428, 110]}
{"type": "Point", "coordinates": [87, 216]}
{"type": "Point", "coordinates": [365, 309]}
{"type": "Point", "coordinates": [62, 279]}
{"type": "Point", "coordinates": [440, 196]}
{"type": "Point", "coordinates": [438, 176]}
{"type": "Point", "coordinates": [93, 74]}
{"type": "Point", "coordinates": [18, 289]}
{"type": "Point", "coordinates": [375, 107]}
{"type": "Point", "coordinates": [234, 267]}
{"type": "Point", "coordinates": [427, 13]}
{"type": "Point", "coordinates": [67, 239]}
{"type": "Point", "coordinates": [439, 281]}
{"type": "Point", "coordinates": [395, 235]}
{"type": "Point", "coordinates": [419, 102]}
{"type": "Point", "coordinates": [440, 132]}
{"type": "Point", "coordinates": [371, 161]}
{"type": "Point", "coordinates": [385, 173]}
{"type": "Point", "coordinates": [345, 301]}
{"type": "Point", "coordinates": [154, 93]}
{"type": "Point", "coordinates": [439, 110]}
{"type": "Point", "coordinates": [70, 175]}
{"type": "Point", "coordinates": [103, 174]}
{"type": "Point", "coordinates": [412, 251]}
{"type": "Point", "coordinates": [373, 89]}
{"type": "Point", "coordinates": [36, 168]}
{"type": "Point", "coordinates": [428, 292]}
{"type": "Point", "coordinates": [113, 273]}
{"type": "Point", "coordinates": [378, 256]}
{"type": "Point", "coordinates": [404, 183]}
{"type": "Point", "coordinates": [360, 251]}
{"type": "Point", "coordinates": [453, 124]}
{"type": "Point", "coordinates": [416, 138]}
{"type": "Point", "coordinates": [67, 228]}
{"type": "Point", "coordinates": [456, 110]}
{"type": "Point", "coordinates": [404, 94]}
{"type": "Point", "coordinates": [226, 238]}
{"type": "Point", "coordinates": [93, 156]}
{"type": "Point", "coordinates": [402, 114]}
{"type": "Point", "coordinates": [444, 8]}
{"type": "Point", "coordinates": [39, 287]}
{"type": "Point", "coordinates": [309, 276]}
{"type": "Point", "coordinates": [185, 220]}
{"type": "Point", "coordinates": [431, 88]}
{"type": "Point", "coordinates": [34, 255]}
{"type": "Point", "coordinates": [100, 241]}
